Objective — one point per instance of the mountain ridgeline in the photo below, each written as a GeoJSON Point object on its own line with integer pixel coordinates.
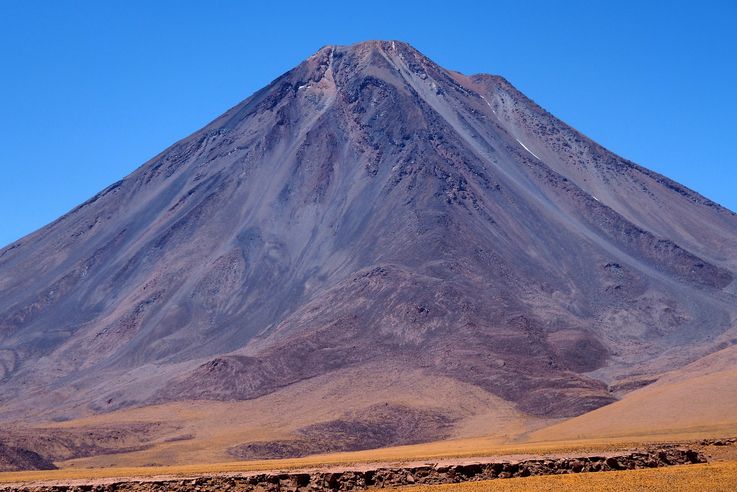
{"type": "Point", "coordinates": [369, 208]}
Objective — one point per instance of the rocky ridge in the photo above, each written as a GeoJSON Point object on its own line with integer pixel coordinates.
{"type": "Point", "coordinates": [390, 477]}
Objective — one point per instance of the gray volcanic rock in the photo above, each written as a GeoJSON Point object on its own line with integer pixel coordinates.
{"type": "Point", "coordinates": [368, 205]}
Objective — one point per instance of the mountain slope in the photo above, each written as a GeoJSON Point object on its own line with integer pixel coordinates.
{"type": "Point", "coordinates": [698, 399]}
{"type": "Point", "coordinates": [369, 207]}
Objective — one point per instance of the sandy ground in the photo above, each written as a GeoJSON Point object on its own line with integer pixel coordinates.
{"type": "Point", "coordinates": [701, 397]}
{"type": "Point", "coordinates": [692, 404]}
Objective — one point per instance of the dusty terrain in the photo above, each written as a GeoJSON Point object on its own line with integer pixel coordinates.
{"type": "Point", "coordinates": [701, 397]}
{"type": "Point", "coordinates": [372, 258]}
{"type": "Point", "coordinates": [388, 475]}
{"type": "Point", "coordinates": [691, 403]}
{"type": "Point", "coordinates": [206, 432]}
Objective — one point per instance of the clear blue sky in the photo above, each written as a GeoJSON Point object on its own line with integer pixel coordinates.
{"type": "Point", "coordinates": [91, 90]}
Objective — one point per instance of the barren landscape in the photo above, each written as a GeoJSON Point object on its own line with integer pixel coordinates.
{"type": "Point", "coordinates": [373, 262]}
{"type": "Point", "coordinates": [351, 473]}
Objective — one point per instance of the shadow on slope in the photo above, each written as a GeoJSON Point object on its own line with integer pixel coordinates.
{"type": "Point", "coordinates": [375, 427]}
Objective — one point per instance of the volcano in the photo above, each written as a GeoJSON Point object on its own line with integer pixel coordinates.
{"type": "Point", "coordinates": [376, 224]}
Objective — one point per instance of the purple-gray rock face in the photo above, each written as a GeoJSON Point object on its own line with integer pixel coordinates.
{"type": "Point", "coordinates": [367, 206]}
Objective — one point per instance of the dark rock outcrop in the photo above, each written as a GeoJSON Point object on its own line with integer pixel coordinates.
{"type": "Point", "coordinates": [393, 477]}
{"type": "Point", "coordinates": [16, 459]}
{"type": "Point", "coordinates": [375, 427]}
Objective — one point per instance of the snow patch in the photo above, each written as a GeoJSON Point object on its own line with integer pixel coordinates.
{"type": "Point", "coordinates": [489, 104]}
{"type": "Point", "coordinates": [528, 150]}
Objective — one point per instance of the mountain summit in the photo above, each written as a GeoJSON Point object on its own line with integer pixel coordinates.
{"type": "Point", "coordinates": [372, 214]}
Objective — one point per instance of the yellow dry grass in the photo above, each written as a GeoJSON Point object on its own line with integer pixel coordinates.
{"type": "Point", "coordinates": [708, 477]}
{"type": "Point", "coordinates": [453, 450]}
{"type": "Point", "coordinates": [401, 454]}
{"type": "Point", "coordinates": [694, 403]}
{"type": "Point", "coordinates": [207, 428]}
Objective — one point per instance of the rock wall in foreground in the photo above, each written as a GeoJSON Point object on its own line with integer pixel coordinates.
{"type": "Point", "coordinates": [390, 477]}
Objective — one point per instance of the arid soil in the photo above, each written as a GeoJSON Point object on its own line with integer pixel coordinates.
{"type": "Point", "coordinates": [700, 395]}
{"type": "Point", "coordinates": [383, 477]}
{"type": "Point", "coordinates": [27, 448]}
